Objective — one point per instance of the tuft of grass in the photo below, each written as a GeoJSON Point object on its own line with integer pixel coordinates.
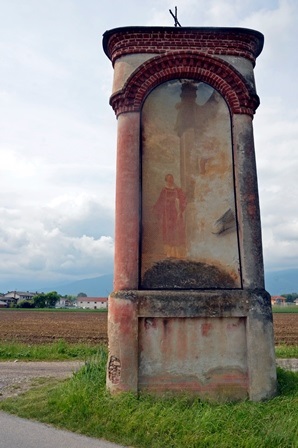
{"type": "Point", "coordinates": [55, 351]}
{"type": "Point", "coordinates": [82, 404]}
{"type": "Point", "coordinates": [286, 351]}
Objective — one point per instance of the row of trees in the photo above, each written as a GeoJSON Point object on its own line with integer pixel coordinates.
{"type": "Point", "coordinates": [44, 300]}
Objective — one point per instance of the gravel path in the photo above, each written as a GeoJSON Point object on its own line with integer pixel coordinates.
{"type": "Point", "coordinates": [18, 377]}
{"type": "Point", "coordinates": [288, 364]}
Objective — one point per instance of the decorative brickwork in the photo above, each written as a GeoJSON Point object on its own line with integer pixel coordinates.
{"type": "Point", "coordinates": [213, 41]}
{"type": "Point", "coordinates": [238, 94]}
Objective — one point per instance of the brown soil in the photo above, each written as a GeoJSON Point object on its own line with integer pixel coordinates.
{"type": "Point", "coordinates": [36, 327]}
{"type": "Point", "coordinates": [286, 328]}
{"type": "Point", "coordinates": [42, 326]}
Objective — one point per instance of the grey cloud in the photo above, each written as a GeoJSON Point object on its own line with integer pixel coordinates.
{"type": "Point", "coordinates": [89, 218]}
{"type": "Point", "coordinates": [12, 240]}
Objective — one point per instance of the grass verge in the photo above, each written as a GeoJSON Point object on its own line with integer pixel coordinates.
{"type": "Point", "coordinates": [286, 351]}
{"type": "Point", "coordinates": [56, 310]}
{"type": "Point", "coordinates": [62, 350]}
{"type": "Point", "coordinates": [82, 404]}
{"type": "Point", "coordinates": [55, 351]}
{"type": "Point", "coordinates": [285, 309]}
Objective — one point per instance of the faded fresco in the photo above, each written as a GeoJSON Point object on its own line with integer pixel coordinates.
{"type": "Point", "coordinates": [189, 230]}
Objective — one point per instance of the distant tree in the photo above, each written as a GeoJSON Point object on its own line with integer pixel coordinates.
{"type": "Point", "coordinates": [290, 297]}
{"type": "Point", "coordinates": [39, 300]}
{"type": "Point", "coordinates": [25, 304]}
{"type": "Point", "coordinates": [82, 294]}
{"type": "Point", "coordinates": [51, 298]}
{"type": "Point", "coordinates": [47, 300]}
{"type": "Point", "coordinates": [71, 298]}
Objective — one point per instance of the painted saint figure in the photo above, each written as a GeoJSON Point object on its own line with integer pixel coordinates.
{"type": "Point", "coordinates": [169, 209]}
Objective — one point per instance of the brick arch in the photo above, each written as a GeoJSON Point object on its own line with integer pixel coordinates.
{"type": "Point", "coordinates": [239, 95]}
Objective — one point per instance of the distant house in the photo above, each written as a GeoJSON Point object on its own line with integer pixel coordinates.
{"type": "Point", "coordinates": [63, 303]}
{"type": "Point", "coordinates": [17, 296]}
{"type": "Point", "coordinates": [92, 303]}
{"type": "Point", "coordinates": [296, 302]}
{"type": "Point", "coordinates": [3, 304]}
{"type": "Point", "coordinates": [278, 300]}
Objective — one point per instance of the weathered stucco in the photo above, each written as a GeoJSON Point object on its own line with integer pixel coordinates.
{"type": "Point", "coordinates": [127, 203]}
{"type": "Point", "coordinates": [215, 344]}
{"type": "Point", "coordinates": [189, 312]}
{"type": "Point", "coordinates": [125, 66]}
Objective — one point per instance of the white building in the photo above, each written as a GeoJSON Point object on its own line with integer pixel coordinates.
{"type": "Point", "coordinates": [92, 303]}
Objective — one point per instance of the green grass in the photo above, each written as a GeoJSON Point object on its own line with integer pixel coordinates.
{"type": "Point", "coordinates": [82, 404]}
{"type": "Point", "coordinates": [55, 351]}
{"type": "Point", "coordinates": [59, 310]}
{"type": "Point", "coordinates": [285, 309]}
{"type": "Point", "coordinates": [62, 350]}
{"type": "Point", "coordinates": [286, 351]}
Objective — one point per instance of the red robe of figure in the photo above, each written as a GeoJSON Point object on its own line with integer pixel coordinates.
{"type": "Point", "coordinates": [169, 209]}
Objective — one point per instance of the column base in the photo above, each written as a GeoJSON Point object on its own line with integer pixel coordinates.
{"type": "Point", "coordinates": [217, 345]}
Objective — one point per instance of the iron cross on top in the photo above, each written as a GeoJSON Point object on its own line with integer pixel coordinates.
{"type": "Point", "coordinates": [175, 16]}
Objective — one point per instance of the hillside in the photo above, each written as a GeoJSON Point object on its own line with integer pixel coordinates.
{"type": "Point", "coordinates": [281, 282]}
{"type": "Point", "coordinates": [93, 287]}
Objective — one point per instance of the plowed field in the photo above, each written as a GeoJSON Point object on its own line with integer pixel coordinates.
{"type": "Point", "coordinates": [286, 328]}
{"type": "Point", "coordinates": [47, 326]}
{"type": "Point", "coordinates": [81, 326]}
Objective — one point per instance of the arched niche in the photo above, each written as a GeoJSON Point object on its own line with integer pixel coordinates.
{"type": "Point", "coordinates": [189, 237]}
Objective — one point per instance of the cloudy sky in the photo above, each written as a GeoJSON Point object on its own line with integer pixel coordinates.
{"type": "Point", "coordinates": [58, 132]}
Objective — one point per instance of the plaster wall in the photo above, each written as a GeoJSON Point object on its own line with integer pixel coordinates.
{"type": "Point", "coordinates": [213, 339]}
{"type": "Point", "coordinates": [214, 344]}
{"type": "Point", "coordinates": [125, 66]}
{"type": "Point", "coordinates": [243, 66]}
{"type": "Point", "coordinates": [196, 354]}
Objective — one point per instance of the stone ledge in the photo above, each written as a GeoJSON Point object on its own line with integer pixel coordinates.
{"type": "Point", "coordinates": [191, 303]}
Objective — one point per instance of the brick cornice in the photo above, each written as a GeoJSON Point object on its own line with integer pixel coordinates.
{"type": "Point", "coordinates": [239, 95]}
{"type": "Point", "coordinates": [241, 42]}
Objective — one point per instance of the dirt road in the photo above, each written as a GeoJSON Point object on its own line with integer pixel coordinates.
{"type": "Point", "coordinates": [17, 377]}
